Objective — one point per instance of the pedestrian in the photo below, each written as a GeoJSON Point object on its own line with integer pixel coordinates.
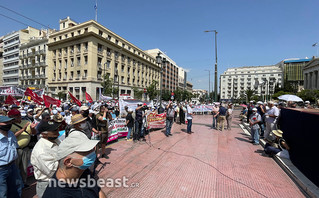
{"type": "Point", "coordinates": [44, 154]}
{"type": "Point", "coordinates": [182, 111]}
{"type": "Point", "coordinates": [129, 123]}
{"type": "Point", "coordinates": [254, 119]}
{"type": "Point", "coordinates": [102, 126]}
{"type": "Point", "coordinates": [221, 117]}
{"type": "Point", "coordinates": [250, 109]}
{"type": "Point", "coordinates": [261, 110]}
{"type": "Point", "coordinates": [11, 183]}
{"type": "Point", "coordinates": [169, 118]}
{"type": "Point", "coordinates": [229, 116]}
{"type": "Point", "coordinates": [75, 155]}
{"type": "Point", "coordinates": [189, 119]}
{"type": "Point", "coordinates": [139, 115]}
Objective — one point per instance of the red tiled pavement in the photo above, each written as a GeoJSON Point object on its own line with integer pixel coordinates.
{"type": "Point", "coordinates": [207, 163]}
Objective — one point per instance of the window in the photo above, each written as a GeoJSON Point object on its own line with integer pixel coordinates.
{"type": "Point", "coordinates": [71, 76]}
{"type": "Point", "coordinates": [79, 61]}
{"type": "Point", "coordinates": [79, 32]}
{"type": "Point", "coordinates": [109, 37]}
{"type": "Point", "coordinates": [86, 46]}
{"type": "Point", "coordinates": [86, 30]}
{"type": "Point", "coordinates": [85, 73]}
{"type": "Point", "coordinates": [66, 63]}
{"type": "Point", "coordinates": [122, 68]}
{"type": "Point", "coordinates": [108, 64]}
{"type": "Point", "coordinates": [99, 48]}
{"type": "Point", "coordinates": [100, 33]}
{"type": "Point", "coordinates": [66, 36]}
{"type": "Point", "coordinates": [78, 73]}
{"type": "Point", "coordinates": [72, 34]}
{"type": "Point", "coordinates": [78, 46]}
{"type": "Point", "coordinates": [72, 62]}
{"type": "Point", "coordinates": [116, 41]}
{"type": "Point", "coordinates": [85, 60]}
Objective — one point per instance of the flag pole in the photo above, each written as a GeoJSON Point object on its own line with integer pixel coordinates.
{"type": "Point", "coordinates": [96, 10]}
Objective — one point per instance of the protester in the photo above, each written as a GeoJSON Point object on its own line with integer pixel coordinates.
{"type": "Point", "coordinates": [139, 112]}
{"type": "Point", "coordinates": [254, 120]}
{"type": "Point", "coordinates": [129, 124]}
{"type": "Point", "coordinates": [43, 157]}
{"type": "Point", "coordinates": [274, 146]}
{"type": "Point", "coordinates": [243, 114]}
{"type": "Point", "coordinates": [189, 118]}
{"type": "Point", "coordinates": [75, 155]}
{"type": "Point", "coordinates": [261, 110]}
{"type": "Point", "coordinates": [23, 130]}
{"type": "Point", "coordinates": [102, 126]}
{"type": "Point", "coordinates": [215, 117]}
{"type": "Point", "coordinates": [229, 116]}
{"type": "Point", "coordinates": [271, 118]}
{"type": "Point", "coordinates": [250, 109]}
{"type": "Point", "coordinates": [221, 117]}
{"type": "Point", "coordinates": [169, 118]}
{"type": "Point", "coordinates": [182, 111]}
{"type": "Point", "coordinates": [11, 183]}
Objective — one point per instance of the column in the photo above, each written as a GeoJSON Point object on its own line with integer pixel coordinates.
{"type": "Point", "coordinates": [306, 81]}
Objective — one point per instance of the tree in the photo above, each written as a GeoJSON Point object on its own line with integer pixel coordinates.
{"type": "Point", "coordinates": [61, 95]}
{"type": "Point", "coordinates": [249, 93]}
{"type": "Point", "coordinates": [151, 90]}
{"type": "Point", "coordinates": [307, 94]}
{"type": "Point", "coordinates": [107, 85]}
{"type": "Point", "coordinates": [279, 93]}
{"type": "Point", "coordinates": [137, 93]}
{"type": "Point", "coordinates": [166, 95]}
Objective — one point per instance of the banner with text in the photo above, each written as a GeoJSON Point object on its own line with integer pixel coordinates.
{"type": "Point", "coordinates": [156, 121]}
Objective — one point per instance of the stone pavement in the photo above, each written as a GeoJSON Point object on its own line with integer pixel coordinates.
{"type": "Point", "coordinates": [206, 163]}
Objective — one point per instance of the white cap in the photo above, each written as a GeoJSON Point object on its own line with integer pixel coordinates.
{"type": "Point", "coordinates": [23, 113]}
{"type": "Point", "coordinates": [307, 102]}
{"type": "Point", "coordinates": [254, 109]}
{"type": "Point", "coordinates": [30, 110]}
{"type": "Point", "coordinates": [75, 142]}
{"type": "Point", "coordinates": [129, 110]}
{"type": "Point", "coordinates": [259, 102]}
{"type": "Point", "coordinates": [251, 101]}
{"type": "Point", "coordinates": [54, 111]}
{"type": "Point", "coordinates": [59, 109]}
{"type": "Point", "coordinates": [84, 108]}
{"type": "Point", "coordinates": [271, 102]}
{"type": "Point", "coordinates": [91, 111]}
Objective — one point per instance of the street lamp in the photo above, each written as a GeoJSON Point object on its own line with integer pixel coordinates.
{"type": "Point", "coordinates": [208, 84]}
{"type": "Point", "coordinates": [159, 61]}
{"type": "Point", "coordinates": [215, 80]}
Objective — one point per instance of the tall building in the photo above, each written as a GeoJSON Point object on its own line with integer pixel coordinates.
{"type": "Point", "coordinates": [11, 48]}
{"type": "Point", "coordinates": [262, 79]}
{"type": "Point", "coordinates": [81, 54]}
{"type": "Point", "coordinates": [182, 78]}
{"type": "Point", "coordinates": [293, 71]}
{"type": "Point", "coordinates": [33, 62]}
{"type": "Point", "coordinates": [170, 70]}
{"type": "Point", "coordinates": [189, 86]}
{"type": "Point", "coordinates": [1, 59]}
{"type": "Point", "coordinates": [311, 74]}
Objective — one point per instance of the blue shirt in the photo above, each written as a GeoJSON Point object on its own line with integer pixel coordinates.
{"type": "Point", "coordinates": [222, 111]}
{"type": "Point", "coordinates": [8, 148]}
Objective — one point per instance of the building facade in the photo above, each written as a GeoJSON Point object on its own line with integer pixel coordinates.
{"type": "Point", "coordinates": [33, 62]}
{"type": "Point", "coordinates": [182, 78]}
{"type": "Point", "coordinates": [189, 86]}
{"type": "Point", "coordinates": [80, 55]}
{"type": "Point", "coordinates": [11, 49]}
{"type": "Point", "coordinates": [170, 70]}
{"type": "Point", "coordinates": [311, 74]}
{"type": "Point", "coordinates": [293, 71]}
{"type": "Point", "coordinates": [262, 79]}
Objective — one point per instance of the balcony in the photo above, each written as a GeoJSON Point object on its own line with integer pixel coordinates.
{"type": "Point", "coordinates": [85, 50]}
{"type": "Point", "coordinates": [31, 54]}
{"type": "Point", "coordinates": [84, 77]}
{"type": "Point", "coordinates": [42, 51]}
{"type": "Point", "coordinates": [71, 78]}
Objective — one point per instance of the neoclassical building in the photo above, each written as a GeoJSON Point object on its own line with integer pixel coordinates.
{"type": "Point", "coordinates": [311, 74]}
{"type": "Point", "coordinates": [80, 54]}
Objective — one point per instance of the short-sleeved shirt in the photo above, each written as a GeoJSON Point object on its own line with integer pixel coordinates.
{"type": "Point", "coordinates": [130, 119]}
{"type": "Point", "coordinates": [101, 125]}
{"type": "Point", "coordinates": [222, 111]}
{"type": "Point", "coordinates": [189, 115]}
{"type": "Point", "coordinates": [273, 111]}
{"type": "Point", "coordinates": [78, 190]}
{"type": "Point", "coordinates": [254, 118]}
{"type": "Point", "coordinates": [25, 136]}
{"type": "Point", "coordinates": [8, 148]}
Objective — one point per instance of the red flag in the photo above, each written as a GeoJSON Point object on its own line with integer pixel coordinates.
{"type": "Point", "coordinates": [49, 100]}
{"type": "Point", "coordinates": [88, 97]}
{"type": "Point", "coordinates": [75, 100]}
{"type": "Point", "coordinates": [11, 100]}
{"type": "Point", "coordinates": [34, 96]}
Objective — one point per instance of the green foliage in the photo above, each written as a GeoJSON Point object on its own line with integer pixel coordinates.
{"type": "Point", "coordinates": [107, 85]}
{"type": "Point", "coordinates": [151, 90]}
{"type": "Point", "coordinates": [137, 93]}
{"type": "Point", "coordinates": [249, 94]}
{"type": "Point", "coordinates": [276, 95]}
{"type": "Point", "coordinates": [166, 95]}
{"type": "Point", "coordinates": [62, 95]}
{"type": "Point", "coordinates": [307, 94]}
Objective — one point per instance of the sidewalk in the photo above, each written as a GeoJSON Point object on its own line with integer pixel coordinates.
{"type": "Point", "coordinates": [207, 163]}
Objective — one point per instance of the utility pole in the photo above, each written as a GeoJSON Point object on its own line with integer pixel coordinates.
{"type": "Point", "coordinates": [208, 84]}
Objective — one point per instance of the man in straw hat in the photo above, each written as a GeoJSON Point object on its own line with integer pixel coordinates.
{"type": "Point", "coordinates": [78, 123]}
{"type": "Point", "coordinates": [273, 147]}
{"type": "Point", "coordinates": [75, 155]}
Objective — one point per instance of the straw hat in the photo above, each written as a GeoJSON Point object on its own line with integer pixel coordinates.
{"type": "Point", "coordinates": [78, 118]}
{"type": "Point", "coordinates": [277, 132]}
{"type": "Point", "coordinates": [58, 118]}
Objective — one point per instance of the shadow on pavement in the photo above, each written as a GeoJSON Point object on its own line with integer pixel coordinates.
{"type": "Point", "coordinates": [243, 140]}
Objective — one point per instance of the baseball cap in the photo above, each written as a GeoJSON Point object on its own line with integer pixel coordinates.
{"type": "Point", "coordinates": [54, 112]}
{"type": "Point", "coordinates": [48, 126]}
{"type": "Point", "coordinates": [5, 119]}
{"type": "Point", "coordinates": [75, 142]}
{"type": "Point", "coordinates": [14, 112]}
{"type": "Point", "coordinates": [254, 109]}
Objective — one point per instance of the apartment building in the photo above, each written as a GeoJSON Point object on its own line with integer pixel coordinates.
{"type": "Point", "coordinates": [33, 62]}
{"type": "Point", "coordinates": [189, 86]}
{"type": "Point", "coordinates": [11, 48]}
{"type": "Point", "coordinates": [262, 79]}
{"type": "Point", "coordinates": [80, 54]}
{"type": "Point", "coordinates": [170, 70]}
{"type": "Point", "coordinates": [182, 78]}
{"type": "Point", "coordinates": [311, 74]}
{"type": "Point", "coordinates": [1, 59]}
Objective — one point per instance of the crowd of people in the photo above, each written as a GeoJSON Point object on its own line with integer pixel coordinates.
{"type": "Point", "coordinates": [29, 133]}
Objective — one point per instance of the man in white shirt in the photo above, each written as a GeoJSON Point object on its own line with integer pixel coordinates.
{"type": "Point", "coordinates": [43, 157]}
{"type": "Point", "coordinates": [271, 119]}
{"type": "Point", "coordinates": [189, 117]}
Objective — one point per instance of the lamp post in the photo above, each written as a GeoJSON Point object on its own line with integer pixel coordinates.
{"type": "Point", "coordinates": [208, 84]}
{"type": "Point", "coordinates": [159, 62]}
{"type": "Point", "coordinates": [215, 80]}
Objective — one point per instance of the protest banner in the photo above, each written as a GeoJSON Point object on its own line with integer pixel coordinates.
{"type": "Point", "coordinates": [156, 121]}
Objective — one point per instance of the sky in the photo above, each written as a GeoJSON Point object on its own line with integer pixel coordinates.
{"type": "Point", "coordinates": [250, 32]}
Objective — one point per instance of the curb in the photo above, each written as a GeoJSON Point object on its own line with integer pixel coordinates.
{"type": "Point", "coordinates": [309, 188]}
